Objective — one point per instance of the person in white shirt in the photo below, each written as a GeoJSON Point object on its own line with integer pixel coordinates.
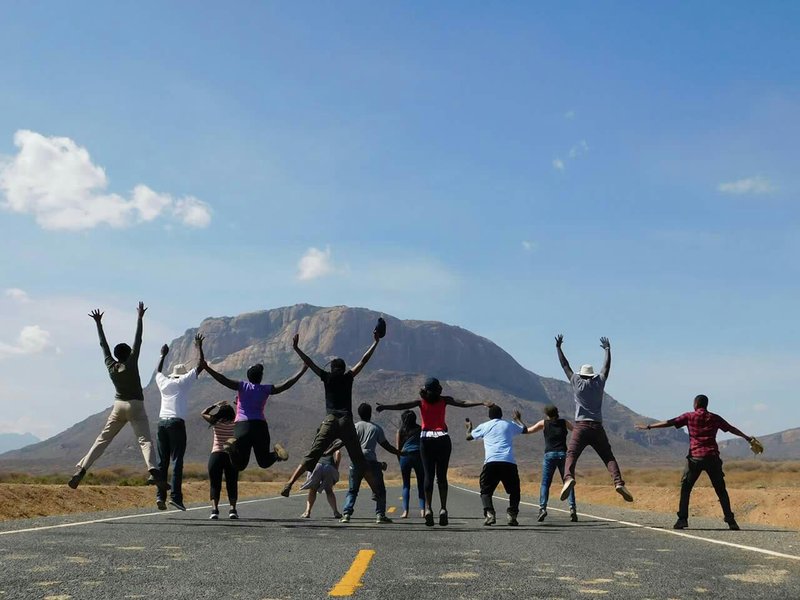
{"type": "Point", "coordinates": [171, 436]}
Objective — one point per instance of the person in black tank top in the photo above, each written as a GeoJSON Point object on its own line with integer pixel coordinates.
{"type": "Point", "coordinates": [555, 455]}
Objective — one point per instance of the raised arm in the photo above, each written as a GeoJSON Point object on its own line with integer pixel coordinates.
{"type": "Point", "coordinates": [98, 320]}
{"type": "Point", "coordinates": [461, 404]}
{"type": "Point", "coordinates": [164, 352]}
{"type": "Point", "coordinates": [468, 427]}
{"type": "Point", "coordinates": [201, 360]}
{"type": "Point", "coordinates": [206, 414]}
{"type": "Point", "coordinates": [367, 355]}
{"type": "Point", "coordinates": [399, 406]}
{"type": "Point", "coordinates": [516, 416]}
{"type": "Point", "coordinates": [606, 345]}
{"type": "Point", "coordinates": [308, 362]}
{"type": "Point", "coordinates": [562, 358]}
{"type": "Point", "coordinates": [277, 389]}
{"type": "Point", "coordinates": [137, 339]}
{"type": "Point", "coordinates": [228, 383]}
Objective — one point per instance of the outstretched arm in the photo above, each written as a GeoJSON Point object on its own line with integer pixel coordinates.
{"type": "Point", "coordinates": [98, 320]}
{"type": "Point", "coordinates": [228, 383]}
{"type": "Point", "coordinates": [277, 389]}
{"type": "Point", "coordinates": [563, 359]}
{"type": "Point", "coordinates": [367, 355]}
{"type": "Point", "coordinates": [461, 404]}
{"type": "Point", "coordinates": [137, 339]}
{"type": "Point", "coordinates": [656, 425]}
{"type": "Point", "coordinates": [164, 352]}
{"type": "Point", "coordinates": [399, 406]}
{"type": "Point", "coordinates": [201, 360]}
{"type": "Point", "coordinates": [309, 363]}
{"type": "Point", "coordinates": [606, 345]}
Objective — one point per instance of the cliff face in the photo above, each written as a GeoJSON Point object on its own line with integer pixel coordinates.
{"type": "Point", "coordinates": [469, 366]}
{"type": "Point", "coordinates": [784, 445]}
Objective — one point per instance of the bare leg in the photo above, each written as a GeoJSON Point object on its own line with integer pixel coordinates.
{"type": "Point", "coordinates": [332, 501]}
{"type": "Point", "coordinates": [312, 497]}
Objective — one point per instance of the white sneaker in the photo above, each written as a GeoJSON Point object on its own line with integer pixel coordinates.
{"type": "Point", "coordinates": [568, 485]}
{"type": "Point", "coordinates": [623, 491]}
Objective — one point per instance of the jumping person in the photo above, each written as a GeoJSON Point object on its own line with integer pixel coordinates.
{"type": "Point", "coordinates": [251, 430]}
{"type": "Point", "coordinates": [435, 444]}
{"type": "Point", "coordinates": [322, 479]}
{"type": "Point", "coordinates": [555, 453]}
{"type": "Point", "coordinates": [171, 433]}
{"type": "Point", "coordinates": [369, 436]}
{"type": "Point", "coordinates": [704, 456]}
{"type": "Point", "coordinates": [338, 424]}
{"type": "Point", "coordinates": [407, 440]}
{"type": "Point", "coordinates": [588, 388]}
{"type": "Point", "coordinates": [123, 369]}
{"type": "Point", "coordinates": [220, 417]}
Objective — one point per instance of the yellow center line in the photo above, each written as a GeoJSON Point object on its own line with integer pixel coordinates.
{"type": "Point", "coordinates": [391, 509]}
{"type": "Point", "coordinates": [351, 581]}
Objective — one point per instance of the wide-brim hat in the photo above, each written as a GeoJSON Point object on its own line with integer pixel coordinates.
{"type": "Point", "coordinates": [587, 371]}
{"type": "Point", "coordinates": [178, 370]}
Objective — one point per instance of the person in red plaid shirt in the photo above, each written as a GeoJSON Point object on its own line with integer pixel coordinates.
{"type": "Point", "coordinates": [703, 456]}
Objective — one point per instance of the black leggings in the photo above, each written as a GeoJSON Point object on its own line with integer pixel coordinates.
{"type": "Point", "coordinates": [435, 453]}
{"type": "Point", "coordinates": [252, 435]}
{"type": "Point", "coordinates": [219, 463]}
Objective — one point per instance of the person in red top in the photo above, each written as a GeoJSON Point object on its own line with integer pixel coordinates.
{"type": "Point", "coordinates": [703, 456]}
{"type": "Point", "coordinates": [435, 445]}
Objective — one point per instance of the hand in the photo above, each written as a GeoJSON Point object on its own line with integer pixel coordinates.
{"type": "Point", "coordinates": [641, 426]}
{"type": "Point", "coordinates": [164, 350]}
{"type": "Point", "coordinates": [605, 344]}
{"type": "Point", "coordinates": [375, 336]}
{"type": "Point", "coordinates": [516, 415]}
{"type": "Point", "coordinates": [559, 340]}
{"type": "Point", "coordinates": [468, 425]}
{"type": "Point", "coordinates": [96, 315]}
{"type": "Point", "coordinates": [488, 403]}
{"type": "Point", "coordinates": [222, 403]}
{"type": "Point", "coordinates": [379, 408]}
{"type": "Point", "coordinates": [198, 340]}
{"type": "Point", "coordinates": [141, 309]}
{"type": "Point", "coordinates": [295, 340]}
{"type": "Point", "coordinates": [756, 446]}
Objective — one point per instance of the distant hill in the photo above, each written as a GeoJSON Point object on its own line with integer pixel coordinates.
{"type": "Point", "coordinates": [784, 445]}
{"type": "Point", "coordinates": [12, 441]}
{"type": "Point", "coordinates": [470, 368]}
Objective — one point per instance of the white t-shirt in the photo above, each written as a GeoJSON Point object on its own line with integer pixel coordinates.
{"type": "Point", "coordinates": [175, 394]}
{"type": "Point", "coordinates": [497, 437]}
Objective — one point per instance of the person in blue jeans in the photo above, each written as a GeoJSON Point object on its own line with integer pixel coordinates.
{"type": "Point", "coordinates": [408, 441]}
{"type": "Point", "coordinates": [369, 436]}
{"type": "Point", "coordinates": [555, 455]}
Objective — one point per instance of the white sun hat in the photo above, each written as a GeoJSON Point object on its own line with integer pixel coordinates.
{"type": "Point", "coordinates": [178, 370]}
{"type": "Point", "coordinates": [587, 371]}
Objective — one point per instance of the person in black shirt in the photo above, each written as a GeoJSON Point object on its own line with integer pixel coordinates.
{"type": "Point", "coordinates": [555, 454]}
{"type": "Point", "coordinates": [338, 423]}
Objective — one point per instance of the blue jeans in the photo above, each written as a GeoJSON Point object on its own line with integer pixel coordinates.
{"type": "Point", "coordinates": [407, 464]}
{"type": "Point", "coordinates": [356, 475]}
{"type": "Point", "coordinates": [553, 461]}
{"type": "Point", "coordinates": [171, 439]}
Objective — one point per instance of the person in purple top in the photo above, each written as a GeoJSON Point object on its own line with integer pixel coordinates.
{"type": "Point", "coordinates": [250, 429]}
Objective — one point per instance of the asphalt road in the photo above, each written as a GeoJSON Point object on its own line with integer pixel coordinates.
{"type": "Point", "coordinates": [272, 553]}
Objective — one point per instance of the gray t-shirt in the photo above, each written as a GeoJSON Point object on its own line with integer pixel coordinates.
{"type": "Point", "coordinates": [370, 435]}
{"type": "Point", "coordinates": [588, 397]}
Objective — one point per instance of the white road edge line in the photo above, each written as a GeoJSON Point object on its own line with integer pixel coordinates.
{"type": "Point", "coordinates": [136, 516]}
{"type": "Point", "coordinates": [658, 529]}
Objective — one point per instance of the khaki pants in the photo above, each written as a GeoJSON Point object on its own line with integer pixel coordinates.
{"type": "Point", "coordinates": [124, 411]}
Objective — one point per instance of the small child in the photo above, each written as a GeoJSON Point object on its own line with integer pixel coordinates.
{"type": "Point", "coordinates": [219, 462]}
{"type": "Point", "coordinates": [323, 479]}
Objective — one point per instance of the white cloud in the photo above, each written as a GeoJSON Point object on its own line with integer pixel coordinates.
{"type": "Point", "coordinates": [750, 185]}
{"type": "Point", "coordinates": [314, 264]}
{"type": "Point", "coordinates": [578, 149]}
{"type": "Point", "coordinates": [54, 179]}
{"type": "Point", "coordinates": [32, 340]}
{"type": "Point", "coordinates": [528, 246]}
{"type": "Point", "coordinates": [569, 115]}
{"type": "Point", "coordinates": [17, 295]}
{"type": "Point", "coordinates": [558, 164]}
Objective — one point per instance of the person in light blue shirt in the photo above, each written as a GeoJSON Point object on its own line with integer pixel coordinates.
{"type": "Point", "coordinates": [500, 466]}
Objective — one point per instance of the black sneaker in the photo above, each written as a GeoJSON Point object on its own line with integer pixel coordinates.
{"type": "Point", "coordinates": [681, 523]}
{"type": "Point", "coordinates": [214, 514]}
{"type": "Point", "coordinates": [160, 504]}
{"type": "Point", "coordinates": [345, 518]}
{"type": "Point", "coordinates": [573, 515]}
{"type": "Point", "coordinates": [287, 489]}
{"type": "Point", "coordinates": [490, 519]}
{"type": "Point", "coordinates": [512, 520]}
{"type": "Point", "coordinates": [443, 520]}
{"type": "Point", "coordinates": [232, 514]}
{"type": "Point", "coordinates": [429, 519]}
{"type": "Point", "coordinates": [732, 524]}
{"type": "Point", "coordinates": [75, 480]}
{"type": "Point", "coordinates": [542, 515]}
{"type": "Point", "coordinates": [382, 519]}
{"type": "Point", "coordinates": [177, 504]}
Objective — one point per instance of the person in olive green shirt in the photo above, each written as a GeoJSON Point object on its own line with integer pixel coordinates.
{"type": "Point", "coordinates": [123, 369]}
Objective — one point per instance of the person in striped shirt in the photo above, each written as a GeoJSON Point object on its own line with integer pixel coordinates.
{"type": "Point", "coordinates": [220, 417]}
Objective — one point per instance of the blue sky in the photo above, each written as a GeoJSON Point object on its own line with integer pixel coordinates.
{"type": "Point", "coordinates": [621, 169]}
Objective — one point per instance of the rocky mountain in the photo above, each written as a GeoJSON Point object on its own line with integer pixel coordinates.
{"type": "Point", "coordinates": [12, 441]}
{"type": "Point", "coordinates": [470, 368]}
{"type": "Point", "coordinates": [784, 445]}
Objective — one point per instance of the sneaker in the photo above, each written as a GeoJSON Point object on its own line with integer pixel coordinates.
{"type": "Point", "coordinates": [732, 524]}
{"type": "Point", "coordinates": [75, 480]}
{"type": "Point", "coordinates": [490, 519]}
{"type": "Point", "coordinates": [429, 519]}
{"type": "Point", "coordinates": [384, 466]}
{"type": "Point", "coordinates": [345, 519]}
{"type": "Point", "coordinates": [337, 515]}
{"type": "Point", "coordinates": [214, 514]}
{"type": "Point", "coordinates": [281, 452]}
{"type": "Point", "coordinates": [681, 524]}
{"type": "Point", "coordinates": [160, 504]}
{"type": "Point", "coordinates": [443, 520]}
{"type": "Point", "coordinates": [177, 504]}
{"type": "Point", "coordinates": [512, 520]}
{"type": "Point", "coordinates": [382, 519]}
{"type": "Point", "coordinates": [573, 515]}
{"type": "Point", "coordinates": [542, 515]}
{"type": "Point", "coordinates": [287, 489]}
{"type": "Point", "coordinates": [568, 485]}
{"type": "Point", "coordinates": [232, 514]}
{"type": "Point", "coordinates": [623, 491]}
